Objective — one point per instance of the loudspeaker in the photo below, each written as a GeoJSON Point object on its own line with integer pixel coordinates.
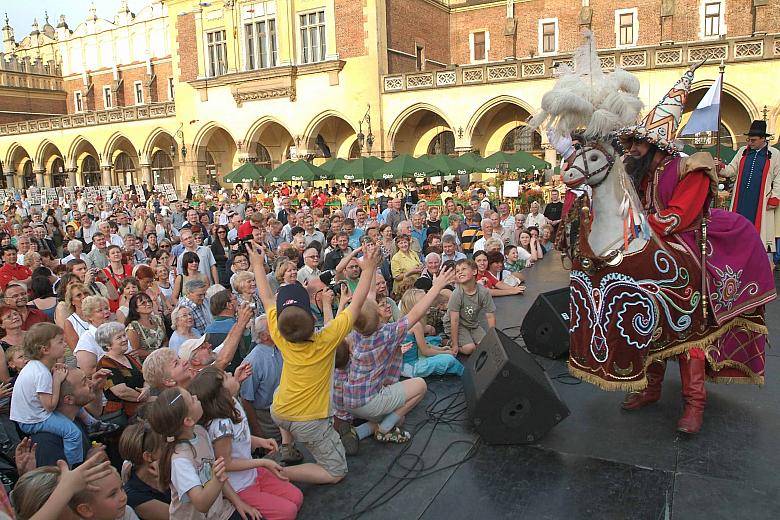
{"type": "Point", "coordinates": [545, 328]}
{"type": "Point", "coordinates": [509, 397]}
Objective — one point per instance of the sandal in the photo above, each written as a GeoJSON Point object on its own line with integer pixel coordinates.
{"type": "Point", "coordinates": [396, 435]}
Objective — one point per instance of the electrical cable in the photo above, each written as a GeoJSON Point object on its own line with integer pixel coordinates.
{"type": "Point", "coordinates": [408, 466]}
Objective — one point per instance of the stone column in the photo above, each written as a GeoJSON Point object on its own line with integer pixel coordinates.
{"type": "Point", "coordinates": [146, 176]}
{"type": "Point", "coordinates": [72, 176]}
{"type": "Point", "coordinates": [40, 175]}
{"type": "Point", "coordinates": [9, 178]}
{"type": "Point", "coordinates": [106, 176]}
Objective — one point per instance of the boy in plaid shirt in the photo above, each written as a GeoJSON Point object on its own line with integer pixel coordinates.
{"type": "Point", "coordinates": [372, 390]}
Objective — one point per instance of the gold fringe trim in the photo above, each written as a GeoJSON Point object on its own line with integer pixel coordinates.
{"type": "Point", "coordinates": [611, 386]}
{"type": "Point", "coordinates": [757, 380]}
{"type": "Point", "coordinates": [703, 343]}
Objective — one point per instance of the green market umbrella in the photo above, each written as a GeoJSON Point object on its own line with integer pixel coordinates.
{"type": "Point", "coordinates": [404, 167]}
{"type": "Point", "coordinates": [334, 165]}
{"type": "Point", "coordinates": [689, 150]}
{"type": "Point", "coordinates": [359, 169]}
{"type": "Point", "coordinates": [247, 172]}
{"type": "Point", "coordinates": [471, 158]}
{"type": "Point", "coordinates": [298, 171]}
{"type": "Point", "coordinates": [447, 165]}
{"type": "Point", "coordinates": [519, 162]}
{"type": "Point", "coordinates": [726, 153]}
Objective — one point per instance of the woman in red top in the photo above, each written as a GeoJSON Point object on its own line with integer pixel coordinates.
{"type": "Point", "coordinates": [484, 277]}
{"type": "Point", "coordinates": [116, 272]}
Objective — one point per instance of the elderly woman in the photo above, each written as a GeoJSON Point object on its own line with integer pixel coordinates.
{"type": "Point", "coordinates": [405, 266]}
{"type": "Point", "coordinates": [145, 328]}
{"type": "Point", "coordinates": [286, 273]}
{"type": "Point", "coordinates": [183, 328]}
{"type": "Point", "coordinates": [88, 352]}
{"type": "Point", "coordinates": [245, 287]}
{"type": "Point", "coordinates": [146, 279]}
{"type": "Point", "coordinates": [124, 388]}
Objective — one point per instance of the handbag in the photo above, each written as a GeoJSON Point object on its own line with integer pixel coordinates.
{"type": "Point", "coordinates": [118, 417]}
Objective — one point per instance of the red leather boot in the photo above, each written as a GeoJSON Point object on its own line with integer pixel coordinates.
{"type": "Point", "coordinates": [652, 393]}
{"type": "Point", "coordinates": [692, 374]}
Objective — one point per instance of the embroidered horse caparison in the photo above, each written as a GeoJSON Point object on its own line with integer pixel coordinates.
{"type": "Point", "coordinates": [637, 297]}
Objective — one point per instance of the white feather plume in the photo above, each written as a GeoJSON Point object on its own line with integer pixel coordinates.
{"type": "Point", "coordinates": [586, 96]}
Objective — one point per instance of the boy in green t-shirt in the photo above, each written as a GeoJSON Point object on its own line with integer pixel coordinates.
{"type": "Point", "coordinates": [461, 323]}
{"type": "Point", "coordinates": [301, 404]}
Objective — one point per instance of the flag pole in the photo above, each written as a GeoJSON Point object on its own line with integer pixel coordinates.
{"type": "Point", "coordinates": [722, 69]}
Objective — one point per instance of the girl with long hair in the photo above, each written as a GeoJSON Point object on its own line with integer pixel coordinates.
{"type": "Point", "coordinates": [486, 278]}
{"type": "Point", "coordinates": [220, 247]}
{"type": "Point", "coordinates": [141, 448]}
{"type": "Point", "coordinates": [116, 272]}
{"type": "Point", "coordinates": [425, 355]}
{"type": "Point", "coordinates": [196, 478]}
{"type": "Point", "coordinates": [260, 483]}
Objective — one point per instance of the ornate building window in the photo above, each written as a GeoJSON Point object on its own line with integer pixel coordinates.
{"type": "Point", "coordinates": [90, 171]}
{"type": "Point", "coordinates": [312, 37]}
{"type": "Point", "coordinates": [78, 101]}
{"type": "Point", "coordinates": [260, 36]}
{"type": "Point", "coordinates": [263, 157]}
{"type": "Point", "coordinates": [108, 100]}
{"type": "Point", "coordinates": [520, 139]}
{"type": "Point", "coordinates": [125, 169]}
{"type": "Point", "coordinates": [548, 36]}
{"type": "Point", "coordinates": [711, 18]}
{"type": "Point", "coordinates": [216, 53]}
{"type": "Point", "coordinates": [626, 27]}
{"type": "Point", "coordinates": [162, 168]}
{"type": "Point", "coordinates": [58, 175]}
{"type": "Point", "coordinates": [442, 143]}
{"type": "Point", "coordinates": [479, 46]}
{"type": "Point", "coordinates": [28, 176]}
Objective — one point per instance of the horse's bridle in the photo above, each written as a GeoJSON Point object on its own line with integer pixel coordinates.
{"type": "Point", "coordinates": [585, 171]}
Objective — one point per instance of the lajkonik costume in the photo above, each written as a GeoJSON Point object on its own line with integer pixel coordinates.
{"type": "Point", "coordinates": [696, 289]}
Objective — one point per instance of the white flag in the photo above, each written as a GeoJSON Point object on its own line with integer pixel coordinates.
{"type": "Point", "coordinates": [705, 117]}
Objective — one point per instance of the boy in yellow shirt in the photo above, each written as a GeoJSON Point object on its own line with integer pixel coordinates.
{"type": "Point", "coordinates": [301, 404]}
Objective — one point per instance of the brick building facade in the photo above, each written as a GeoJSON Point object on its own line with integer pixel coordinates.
{"type": "Point", "coordinates": [268, 80]}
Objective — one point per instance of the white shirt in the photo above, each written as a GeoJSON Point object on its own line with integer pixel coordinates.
{"type": "Point", "coordinates": [536, 221]}
{"type": "Point", "coordinates": [68, 258]}
{"type": "Point", "coordinates": [240, 447]}
{"type": "Point", "coordinates": [87, 343]}
{"type": "Point", "coordinates": [479, 245]}
{"type": "Point", "coordinates": [26, 407]}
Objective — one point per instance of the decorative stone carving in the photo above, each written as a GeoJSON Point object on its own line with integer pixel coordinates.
{"type": "Point", "coordinates": [258, 95]}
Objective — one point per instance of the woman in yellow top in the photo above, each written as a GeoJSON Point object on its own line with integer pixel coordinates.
{"type": "Point", "coordinates": [405, 266]}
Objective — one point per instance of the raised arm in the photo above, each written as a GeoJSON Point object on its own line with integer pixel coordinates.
{"type": "Point", "coordinates": [372, 260]}
{"type": "Point", "coordinates": [257, 261]}
{"type": "Point", "coordinates": [347, 258]}
{"type": "Point", "coordinates": [233, 338]}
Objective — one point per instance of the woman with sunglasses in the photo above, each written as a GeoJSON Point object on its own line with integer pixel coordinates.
{"type": "Point", "coordinates": [191, 263]}
{"type": "Point", "coordinates": [145, 328]}
{"type": "Point", "coordinates": [220, 248]}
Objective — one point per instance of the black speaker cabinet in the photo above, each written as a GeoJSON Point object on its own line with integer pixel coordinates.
{"type": "Point", "coordinates": [509, 396]}
{"type": "Point", "coordinates": [545, 328]}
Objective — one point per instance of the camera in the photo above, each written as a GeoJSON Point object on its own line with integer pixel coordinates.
{"type": "Point", "coordinates": [241, 243]}
{"type": "Point", "coordinates": [329, 279]}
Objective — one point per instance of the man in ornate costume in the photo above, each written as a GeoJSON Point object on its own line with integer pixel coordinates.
{"type": "Point", "coordinates": [677, 192]}
{"type": "Point", "coordinates": [757, 189]}
{"type": "Point", "coordinates": [695, 290]}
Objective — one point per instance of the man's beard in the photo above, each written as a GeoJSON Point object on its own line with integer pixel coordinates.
{"type": "Point", "coordinates": [637, 168]}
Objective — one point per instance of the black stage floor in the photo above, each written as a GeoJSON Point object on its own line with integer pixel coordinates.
{"type": "Point", "coordinates": [599, 463]}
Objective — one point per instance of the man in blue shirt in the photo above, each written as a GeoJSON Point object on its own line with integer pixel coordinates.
{"type": "Point", "coordinates": [223, 306]}
{"type": "Point", "coordinates": [354, 233]}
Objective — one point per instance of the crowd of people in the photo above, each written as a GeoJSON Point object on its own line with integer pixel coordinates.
{"type": "Point", "coordinates": [168, 360]}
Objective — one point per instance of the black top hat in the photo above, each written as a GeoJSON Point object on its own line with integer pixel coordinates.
{"type": "Point", "coordinates": [758, 129]}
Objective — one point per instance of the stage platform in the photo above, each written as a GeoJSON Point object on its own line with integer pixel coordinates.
{"type": "Point", "coordinates": [599, 463]}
